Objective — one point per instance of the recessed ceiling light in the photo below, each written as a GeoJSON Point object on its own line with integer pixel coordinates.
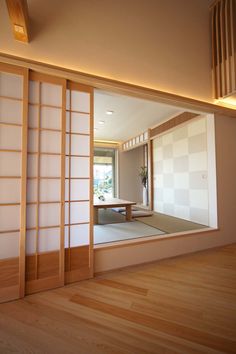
{"type": "Point", "coordinates": [109, 112]}
{"type": "Point", "coordinates": [101, 122]}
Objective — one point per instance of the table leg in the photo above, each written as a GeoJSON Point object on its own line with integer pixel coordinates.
{"type": "Point", "coordinates": [95, 215]}
{"type": "Point", "coordinates": [128, 213]}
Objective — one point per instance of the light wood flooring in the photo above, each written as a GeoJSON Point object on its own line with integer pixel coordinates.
{"type": "Point", "coordinates": [182, 305]}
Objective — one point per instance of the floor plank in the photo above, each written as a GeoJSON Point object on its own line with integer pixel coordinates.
{"type": "Point", "coordinates": [184, 305]}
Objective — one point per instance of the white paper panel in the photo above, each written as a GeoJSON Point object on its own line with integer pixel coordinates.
{"type": "Point", "coordinates": [10, 137]}
{"type": "Point", "coordinates": [50, 190]}
{"type": "Point", "coordinates": [10, 163]}
{"type": "Point", "coordinates": [80, 145]}
{"type": "Point", "coordinates": [49, 240]}
{"type": "Point", "coordinates": [137, 140]}
{"type": "Point", "coordinates": [33, 116]}
{"type": "Point", "coordinates": [9, 217]}
{"type": "Point", "coordinates": [49, 214]}
{"type": "Point", "coordinates": [30, 242]}
{"type": "Point", "coordinates": [50, 166]}
{"type": "Point", "coordinates": [67, 121]}
{"type": "Point", "coordinates": [33, 92]}
{"type": "Point", "coordinates": [79, 167]}
{"type": "Point", "coordinates": [51, 118]}
{"type": "Point", "coordinates": [10, 111]}
{"type": "Point", "coordinates": [51, 94]}
{"type": "Point", "coordinates": [79, 212]}
{"type": "Point", "coordinates": [32, 140]}
{"type": "Point", "coordinates": [31, 216]}
{"type": "Point", "coordinates": [80, 101]}
{"type": "Point", "coordinates": [31, 190]}
{"type": "Point", "coordinates": [32, 165]}
{"type": "Point", "coordinates": [146, 136]}
{"type": "Point", "coordinates": [50, 141]}
{"type": "Point", "coordinates": [11, 85]}
{"type": "Point", "coordinates": [67, 99]}
{"type": "Point", "coordinates": [66, 189]}
{"type": "Point", "coordinates": [141, 138]}
{"type": "Point", "coordinates": [79, 235]}
{"type": "Point", "coordinates": [80, 123]}
{"type": "Point", "coordinates": [66, 239]}
{"type": "Point", "coordinates": [10, 190]}
{"type": "Point", "coordinates": [79, 189]}
{"type": "Point", "coordinates": [9, 245]}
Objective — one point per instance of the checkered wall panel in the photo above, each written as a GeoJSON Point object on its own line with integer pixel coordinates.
{"type": "Point", "coordinates": [180, 172]}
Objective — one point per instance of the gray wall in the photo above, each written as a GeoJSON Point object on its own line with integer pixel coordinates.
{"type": "Point", "coordinates": [130, 186]}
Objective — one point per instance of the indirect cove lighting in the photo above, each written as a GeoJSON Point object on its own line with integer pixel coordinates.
{"type": "Point", "coordinates": [228, 100]}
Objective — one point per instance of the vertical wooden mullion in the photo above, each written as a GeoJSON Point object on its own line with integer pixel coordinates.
{"type": "Point", "coordinates": [69, 194]}
{"type": "Point", "coordinates": [213, 43]}
{"type": "Point", "coordinates": [62, 223]}
{"type": "Point", "coordinates": [38, 186]}
{"type": "Point", "coordinates": [24, 133]}
{"type": "Point", "coordinates": [223, 47]}
{"type": "Point", "coordinates": [227, 38]}
{"type": "Point", "coordinates": [150, 173]}
{"type": "Point", "coordinates": [91, 154]}
{"type": "Point", "coordinates": [219, 78]}
{"type": "Point", "coordinates": [232, 42]}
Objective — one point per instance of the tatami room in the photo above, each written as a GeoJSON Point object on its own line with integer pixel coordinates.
{"type": "Point", "coordinates": [117, 176]}
{"type": "Point", "coordinates": [166, 170]}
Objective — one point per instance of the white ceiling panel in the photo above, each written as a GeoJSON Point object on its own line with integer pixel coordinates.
{"type": "Point", "coordinates": [131, 115]}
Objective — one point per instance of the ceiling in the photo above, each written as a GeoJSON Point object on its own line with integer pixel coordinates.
{"type": "Point", "coordinates": [78, 35]}
{"type": "Point", "coordinates": [130, 117]}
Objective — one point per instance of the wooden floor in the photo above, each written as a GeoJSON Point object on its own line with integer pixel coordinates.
{"type": "Point", "coordinates": [181, 305]}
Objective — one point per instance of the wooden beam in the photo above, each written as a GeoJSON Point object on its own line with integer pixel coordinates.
{"type": "Point", "coordinates": [18, 13]}
{"type": "Point", "coordinates": [181, 118]}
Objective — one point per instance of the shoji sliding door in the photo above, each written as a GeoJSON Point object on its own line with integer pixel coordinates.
{"type": "Point", "coordinates": [78, 187]}
{"type": "Point", "coordinates": [45, 183]}
{"type": "Point", "coordinates": [13, 145]}
{"type": "Point", "coordinates": [46, 171]}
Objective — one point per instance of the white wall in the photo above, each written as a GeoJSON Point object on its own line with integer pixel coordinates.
{"type": "Point", "coordinates": [130, 186]}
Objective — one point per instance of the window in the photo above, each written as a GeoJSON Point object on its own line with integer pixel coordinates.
{"type": "Point", "coordinates": [104, 172]}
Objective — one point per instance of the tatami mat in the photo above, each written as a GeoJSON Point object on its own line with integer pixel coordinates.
{"type": "Point", "coordinates": [108, 216]}
{"type": "Point", "coordinates": [123, 231]}
{"type": "Point", "coordinates": [170, 224]}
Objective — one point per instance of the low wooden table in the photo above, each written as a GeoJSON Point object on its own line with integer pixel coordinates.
{"type": "Point", "coordinates": [113, 203]}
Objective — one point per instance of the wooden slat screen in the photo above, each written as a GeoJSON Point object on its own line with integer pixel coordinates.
{"type": "Point", "coordinates": [223, 34]}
